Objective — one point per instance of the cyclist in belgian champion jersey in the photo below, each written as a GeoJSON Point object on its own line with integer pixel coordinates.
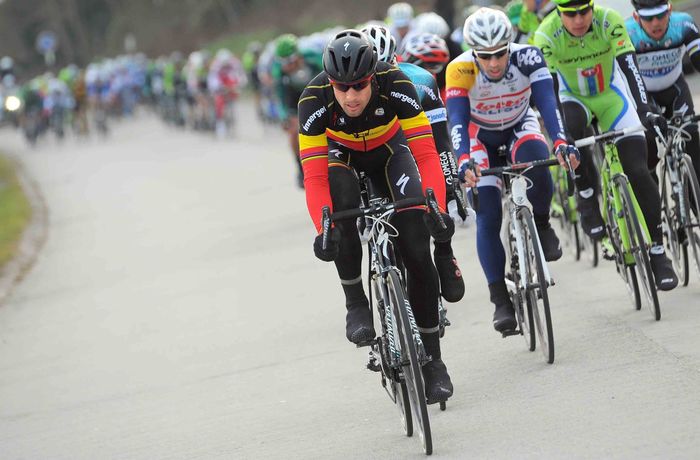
{"type": "Point", "coordinates": [488, 105]}
{"type": "Point", "coordinates": [451, 282]}
{"type": "Point", "coordinates": [589, 51]}
{"type": "Point", "coordinates": [362, 115]}
{"type": "Point", "coordinates": [661, 38]}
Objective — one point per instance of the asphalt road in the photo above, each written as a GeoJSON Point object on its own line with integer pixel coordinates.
{"type": "Point", "coordinates": [177, 311]}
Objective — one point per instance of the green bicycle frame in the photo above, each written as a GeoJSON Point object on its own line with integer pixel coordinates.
{"type": "Point", "coordinates": [612, 168]}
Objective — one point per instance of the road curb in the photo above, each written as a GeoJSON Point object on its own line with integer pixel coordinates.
{"type": "Point", "coordinates": [33, 237]}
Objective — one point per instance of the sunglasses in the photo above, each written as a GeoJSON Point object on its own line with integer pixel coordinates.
{"type": "Point", "coordinates": [659, 16]}
{"type": "Point", "coordinates": [357, 86]}
{"type": "Point", "coordinates": [487, 55]}
{"type": "Point", "coordinates": [573, 11]}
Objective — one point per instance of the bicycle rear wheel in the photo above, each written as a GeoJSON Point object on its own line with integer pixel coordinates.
{"type": "Point", "coordinates": [411, 364]}
{"type": "Point", "coordinates": [673, 211]}
{"type": "Point", "coordinates": [404, 404]}
{"type": "Point", "coordinates": [691, 193]}
{"type": "Point", "coordinates": [638, 246]}
{"type": "Point", "coordinates": [536, 285]}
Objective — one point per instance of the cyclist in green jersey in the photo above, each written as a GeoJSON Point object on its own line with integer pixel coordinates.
{"type": "Point", "coordinates": [588, 49]}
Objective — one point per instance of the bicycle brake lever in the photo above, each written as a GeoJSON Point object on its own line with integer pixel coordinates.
{"type": "Point", "coordinates": [325, 225]}
{"type": "Point", "coordinates": [432, 205]}
{"type": "Point", "coordinates": [660, 136]}
{"type": "Point", "coordinates": [475, 190]}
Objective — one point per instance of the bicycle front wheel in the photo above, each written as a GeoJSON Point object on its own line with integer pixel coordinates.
{"type": "Point", "coordinates": [411, 363]}
{"type": "Point", "coordinates": [638, 246]}
{"type": "Point", "coordinates": [691, 194]}
{"type": "Point", "coordinates": [536, 284]}
{"type": "Point", "coordinates": [523, 310]}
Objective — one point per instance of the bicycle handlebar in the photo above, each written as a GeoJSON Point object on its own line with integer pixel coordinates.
{"type": "Point", "coordinates": [590, 140]}
{"type": "Point", "coordinates": [380, 208]}
{"type": "Point", "coordinates": [516, 167]}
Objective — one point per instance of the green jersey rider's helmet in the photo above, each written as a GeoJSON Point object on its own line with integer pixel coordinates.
{"type": "Point", "coordinates": [286, 45]}
{"type": "Point", "coordinates": [572, 3]}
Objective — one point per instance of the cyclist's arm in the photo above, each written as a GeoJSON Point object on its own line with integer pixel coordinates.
{"type": "Point", "coordinates": [416, 127]}
{"type": "Point", "coordinates": [437, 115]}
{"type": "Point", "coordinates": [460, 78]}
{"type": "Point", "coordinates": [545, 98]}
{"type": "Point", "coordinates": [616, 33]}
{"type": "Point", "coordinates": [691, 40]}
{"type": "Point", "coordinates": [635, 82]}
{"type": "Point", "coordinates": [313, 151]}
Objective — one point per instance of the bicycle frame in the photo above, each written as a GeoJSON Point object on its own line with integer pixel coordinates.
{"type": "Point", "coordinates": [516, 197]}
{"type": "Point", "coordinates": [611, 169]}
{"type": "Point", "coordinates": [671, 158]}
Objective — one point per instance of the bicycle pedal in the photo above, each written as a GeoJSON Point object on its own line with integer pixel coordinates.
{"type": "Point", "coordinates": [366, 343]}
{"type": "Point", "coordinates": [374, 366]}
{"type": "Point", "coordinates": [510, 332]}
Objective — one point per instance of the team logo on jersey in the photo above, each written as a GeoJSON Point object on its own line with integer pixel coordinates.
{"type": "Point", "coordinates": [379, 112]}
{"type": "Point", "coordinates": [313, 117]}
{"type": "Point", "coordinates": [341, 121]}
{"type": "Point", "coordinates": [591, 81]}
{"type": "Point", "coordinates": [529, 57]}
{"type": "Point", "coordinates": [402, 183]}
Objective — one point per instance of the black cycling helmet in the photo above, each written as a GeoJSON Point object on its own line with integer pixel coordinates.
{"type": "Point", "coordinates": [646, 4]}
{"type": "Point", "coordinates": [349, 57]}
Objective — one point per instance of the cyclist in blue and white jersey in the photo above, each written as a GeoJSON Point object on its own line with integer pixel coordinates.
{"type": "Point", "coordinates": [489, 89]}
{"type": "Point", "coordinates": [661, 38]}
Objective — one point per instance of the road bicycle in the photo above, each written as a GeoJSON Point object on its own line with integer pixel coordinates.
{"type": "Point", "coordinates": [397, 353]}
{"type": "Point", "coordinates": [680, 197]}
{"type": "Point", "coordinates": [628, 238]}
{"type": "Point", "coordinates": [527, 275]}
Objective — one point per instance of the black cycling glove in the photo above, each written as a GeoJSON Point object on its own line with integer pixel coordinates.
{"type": "Point", "coordinates": [439, 234]}
{"type": "Point", "coordinates": [650, 119]}
{"type": "Point", "coordinates": [332, 245]}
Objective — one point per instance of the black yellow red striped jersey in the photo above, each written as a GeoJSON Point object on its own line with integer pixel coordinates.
{"type": "Point", "coordinates": [393, 106]}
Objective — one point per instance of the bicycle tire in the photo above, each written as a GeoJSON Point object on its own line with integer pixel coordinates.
{"type": "Point", "coordinates": [413, 375]}
{"type": "Point", "coordinates": [523, 313]}
{"type": "Point", "coordinates": [578, 242]}
{"type": "Point", "coordinates": [404, 403]}
{"type": "Point", "coordinates": [626, 271]}
{"type": "Point", "coordinates": [399, 393]}
{"type": "Point", "coordinates": [671, 223]}
{"type": "Point", "coordinates": [537, 285]}
{"type": "Point", "coordinates": [691, 191]}
{"type": "Point", "coordinates": [638, 248]}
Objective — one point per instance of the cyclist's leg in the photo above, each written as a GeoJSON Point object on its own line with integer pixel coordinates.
{"type": "Point", "coordinates": [528, 144]}
{"type": "Point", "coordinates": [489, 215]}
{"type": "Point", "coordinates": [345, 194]}
{"type": "Point", "coordinates": [401, 179]}
{"type": "Point", "coordinates": [577, 117]}
{"type": "Point", "coordinates": [616, 111]}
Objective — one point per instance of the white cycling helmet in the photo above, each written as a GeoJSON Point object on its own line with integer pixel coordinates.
{"type": "Point", "coordinates": [487, 28]}
{"type": "Point", "coordinates": [431, 23]}
{"type": "Point", "coordinates": [384, 43]}
{"type": "Point", "coordinates": [400, 14]}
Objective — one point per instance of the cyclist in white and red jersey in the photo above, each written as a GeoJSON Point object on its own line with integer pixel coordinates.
{"type": "Point", "coordinates": [488, 104]}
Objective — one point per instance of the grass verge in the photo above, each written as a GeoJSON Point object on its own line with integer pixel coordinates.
{"type": "Point", "coordinates": [15, 210]}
